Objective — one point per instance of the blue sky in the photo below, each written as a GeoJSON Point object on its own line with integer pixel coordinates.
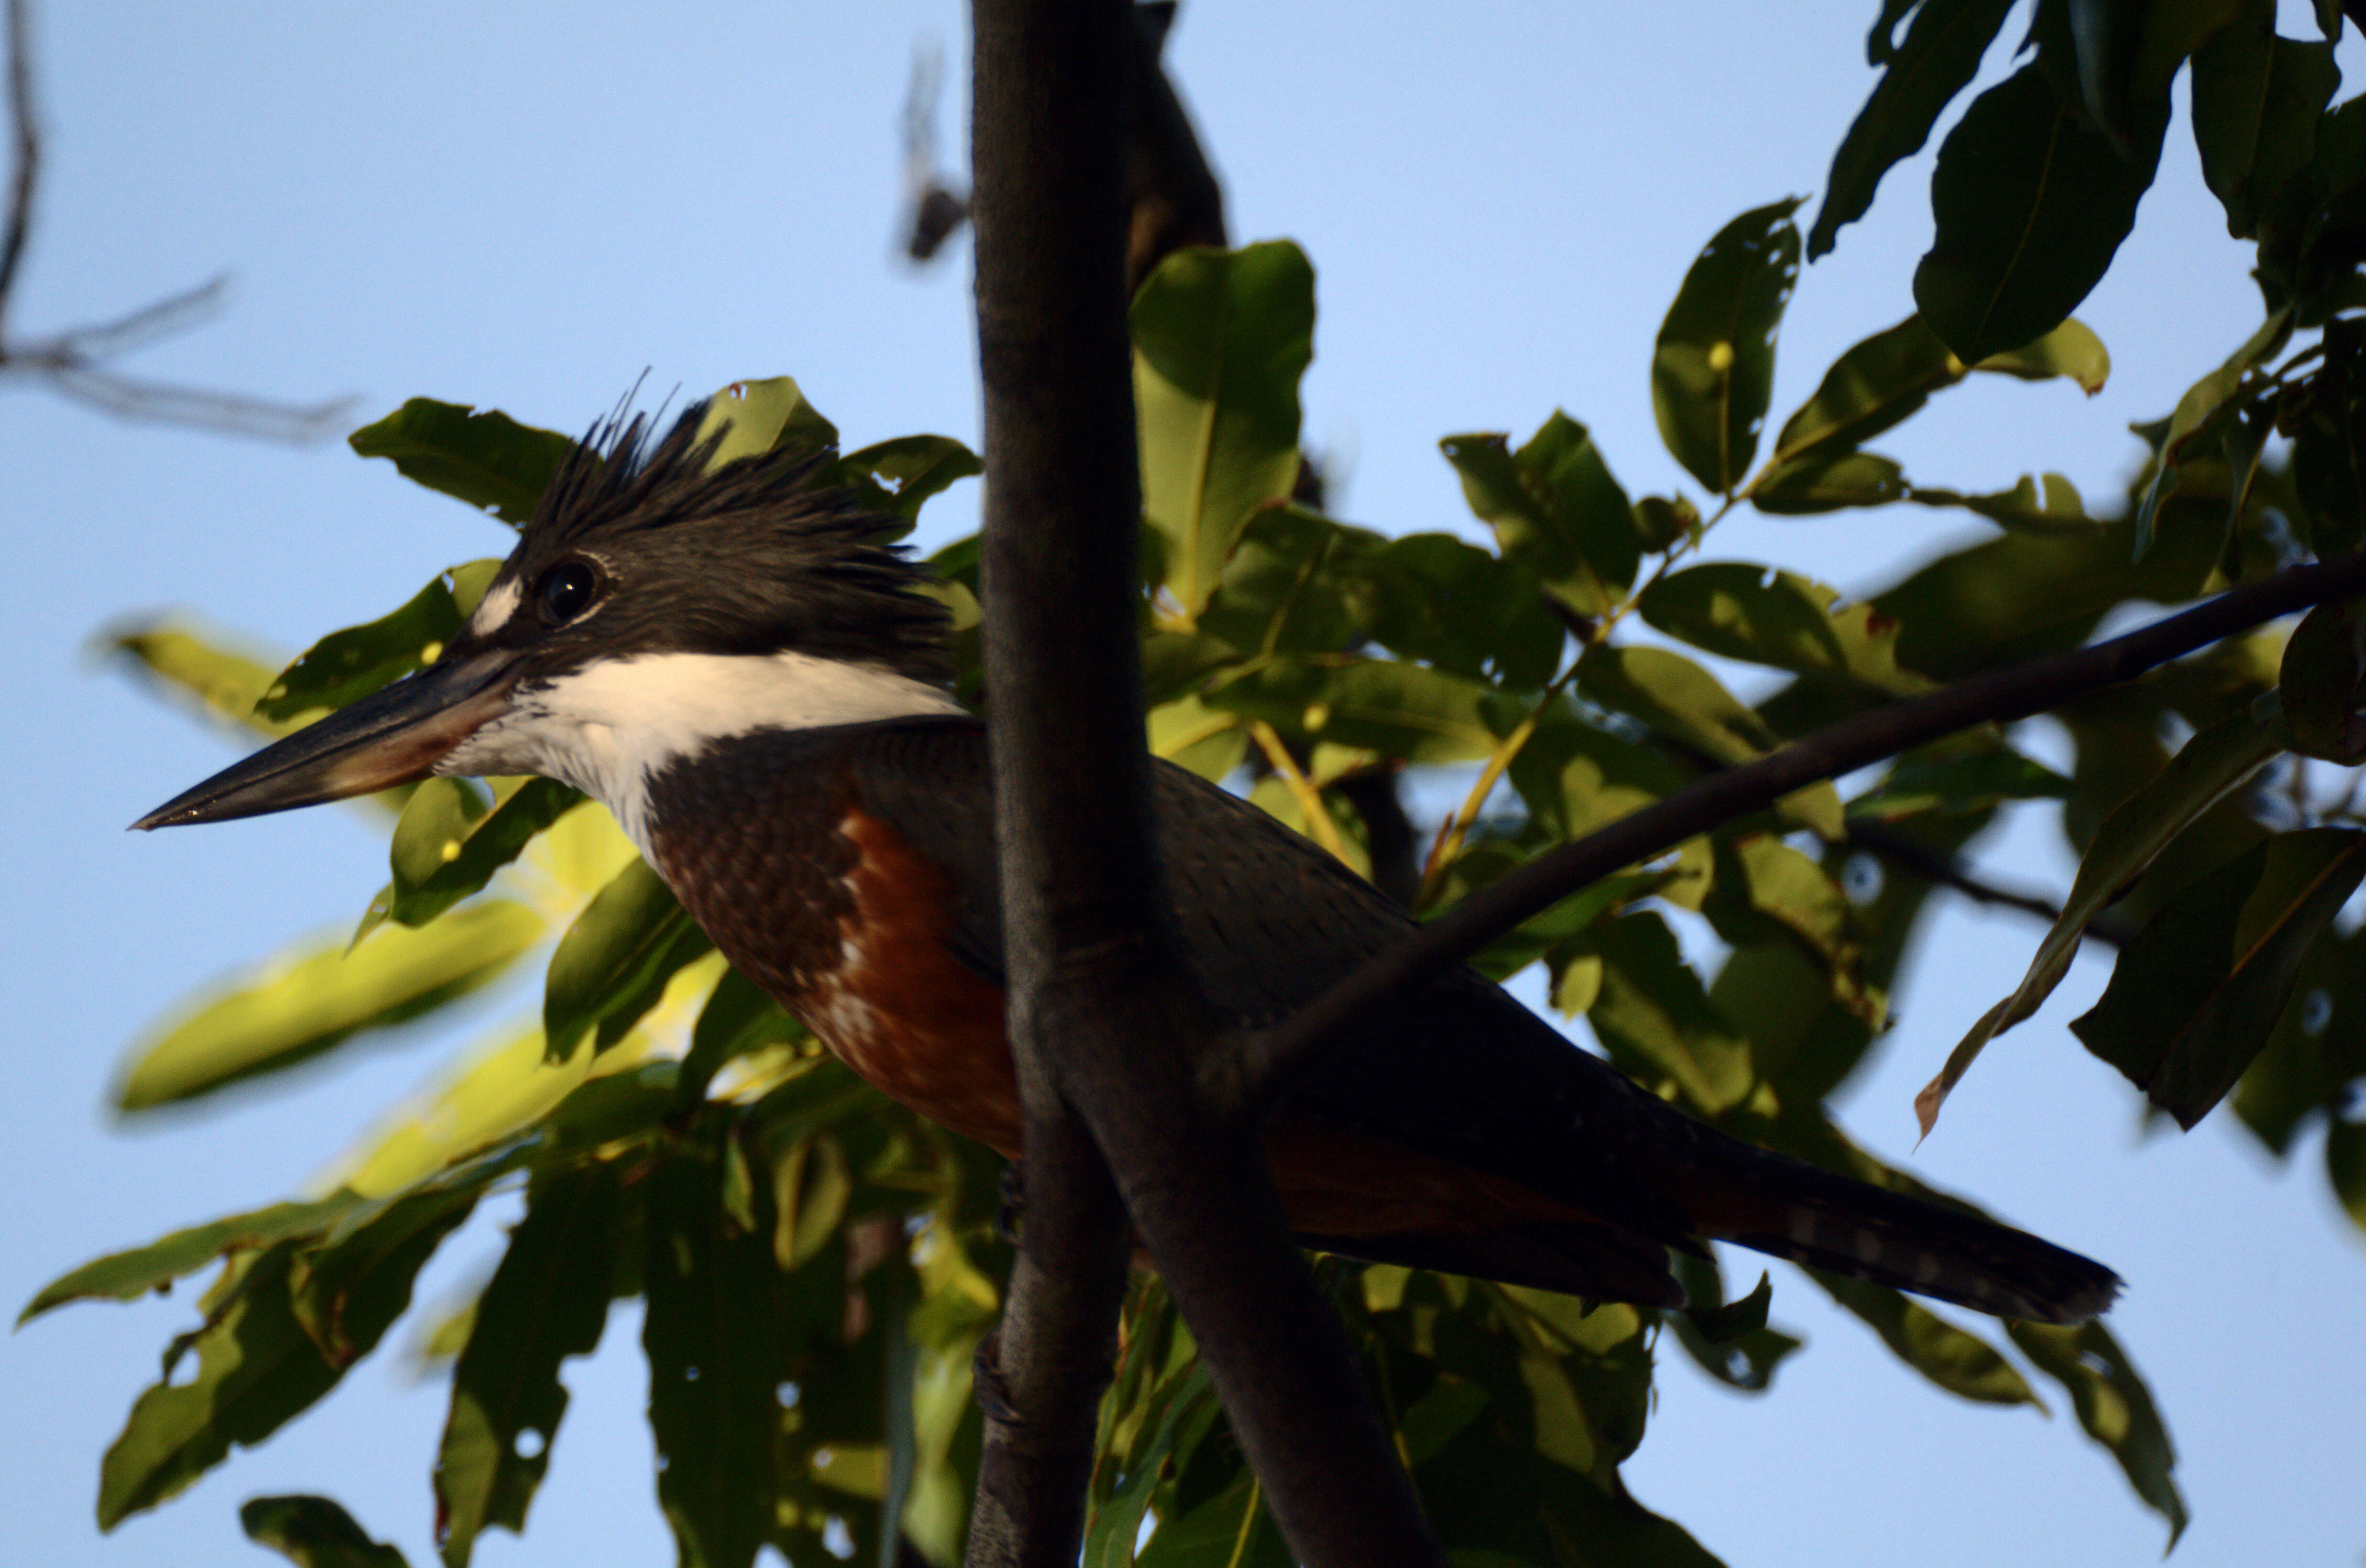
{"type": "Point", "coordinates": [528, 205]}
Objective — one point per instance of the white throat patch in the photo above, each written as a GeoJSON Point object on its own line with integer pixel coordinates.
{"type": "Point", "coordinates": [611, 727]}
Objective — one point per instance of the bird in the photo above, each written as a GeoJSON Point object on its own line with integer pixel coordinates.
{"type": "Point", "coordinates": [738, 661]}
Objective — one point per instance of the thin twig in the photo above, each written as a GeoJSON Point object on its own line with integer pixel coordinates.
{"type": "Point", "coordinates": [1278, 1060]}
{"type": "Point", "coordinates": [1932, 865]}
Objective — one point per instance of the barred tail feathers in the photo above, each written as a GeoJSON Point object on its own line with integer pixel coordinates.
{"type": "Point", "coordinates": [1782, 1207]}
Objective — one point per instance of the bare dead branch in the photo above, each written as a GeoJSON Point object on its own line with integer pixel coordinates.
{"type": "Point", "coordinates": [1280, 1059]}
{"type": "Point", "coordinates": [74, 361]}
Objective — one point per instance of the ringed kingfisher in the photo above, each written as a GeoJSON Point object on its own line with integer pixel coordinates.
{"type": "Point", "coordinates": [743, 670]}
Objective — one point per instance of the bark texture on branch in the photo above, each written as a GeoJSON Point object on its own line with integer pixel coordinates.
{"type": "Point", "coordinates": [1115, 1063]}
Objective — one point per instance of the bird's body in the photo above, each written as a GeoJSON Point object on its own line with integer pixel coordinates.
{"type": "Point", "coordinates": [735, 666]}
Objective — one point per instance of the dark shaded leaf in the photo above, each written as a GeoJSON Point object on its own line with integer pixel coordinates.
{"type": "Point", "coordinates": [1730, 1342]}
{"type": "Point", "coordinates": [1768, 617]}
{"type": "Point", "coordinates": [1959, 1363]}
{"type": "Point", "coordinates": [1655, 1018]}
{"type": "Point", "coordinates": [2113, 1405]}
{"type": "Point", "coordinates": [1766, 891]}
{"type": "Point", "coordinates": [2329, 443]}
{"type": "Point", "coordinates": [2031, 204]}
{"type": "Point", "coordinates": [2323, 683]}
{"type": "Point", "coordinates": [314, 1532]}
{"type": "Point", "coordinates": [311, 1001]}
{"type": "Point", "coordinates": [2197, 991]}
{"type": "Point", "coordinates": [1448, 603]}
{"type": "Point", "coordinates": [1820, 483]}
{"type": "Point", "coordinates": [1713, 367]}
{"type": "Point", "coordinates": [739, 1017]}
{"type": "Point", "coordinates": [2318, 1048]}
{"type": "Point", "coordinates": [1221, 339]}
{"type": "Point", "coordinates": [613, 962]}
{"type": "Point", "coordinates": [1941, 53]}
{"type": "Point", "coordinates": [1401, 709]}
{"type": "Point", "coordinates": [347, 1289]}
{"type": "Point", "coordinates": [2256, 99]}
{"type": "Point", "coordinates": [2040, 504]}
{"type": "Point", "coordinates": [127, 1276]}
{"type": "Point", "coordinates": [2210, 765]}
{"type": "Point", "coordinates": [256, 1371]}
{"type": "Point", "coordinates": [348, 666]}
{"type": "Point", "coordinates": [1970, 781]}
{"type": "Point", "coordinates": [486, 459]}
{"type": "Point", "coordinates": [1555, 508]}
{"type": "Point", "coordinates": [547, 1301]}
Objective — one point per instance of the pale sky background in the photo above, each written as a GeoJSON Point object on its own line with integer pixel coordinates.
{"type": "Point", "coordinates": [527, 205]}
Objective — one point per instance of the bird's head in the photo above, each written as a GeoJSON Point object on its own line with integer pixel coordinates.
{"type": "Point", "coordinates": [655, 602]}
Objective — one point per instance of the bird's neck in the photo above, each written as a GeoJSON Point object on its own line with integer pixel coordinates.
{"type": "Point", "coordinates": [611, 727]}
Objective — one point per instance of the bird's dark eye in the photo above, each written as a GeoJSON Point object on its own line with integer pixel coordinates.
{"type": "Point", "coordinates": [565, 592]}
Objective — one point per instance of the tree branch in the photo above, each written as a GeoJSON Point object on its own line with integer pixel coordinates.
{"type": "Point", "coordinates": [1279, 1060]}
{"type": "Point", "coordinates": [1103, 1021]}
{"type": "Point", "coordinates": [1932, 865]}
{"type": "Point", "coordinates": [72, 361]}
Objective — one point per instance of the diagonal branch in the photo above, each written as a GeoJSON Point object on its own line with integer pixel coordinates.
{"type": "Point", "coordinates": [1279, 1060]}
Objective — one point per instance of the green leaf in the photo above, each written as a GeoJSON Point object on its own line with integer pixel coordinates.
{"type": "Point", "coordinates": [2195, 994]}
{"type": "Point", "coordinates": [2212, 765]}
{"type": "Point", "coordinates": [898, 476]}
{"type": "Point", "coordinates": [2031, 204]}
{"type": "Point", "coordinates": [313, 999]}
{"type": "Point", "coordinates": [547, 1301]}
{"type": "Point", "coordinates": [486, 459]}
{"type": "Point", "coordinates": [1221, 339]}
{"type": "Point", "coordinates": [1655, 1019]}
{"type": "Point", "coordinates": [1730, 1342]}
{"type": "Point", "coordinates": [346, 665]}
{"type": "Point", "coordinates": [1554, 508]}
{"type": "Point", "coordinates": [2323, 683]}
{"type": "Point", "coordinates": [129, 1275]}
{"type": "Point", "coordinates": [1445, 602]}
{"type": "Point", "coordinates": [714, 1344]}
{"type": "Point", "coordinates": [1959, 785]}
{"type": "Point", "coordinates": [1878, 383]}
{"type": "Point", "coordinates": [2071, 348]}
{"type": "Point", "coordinates": [1941, 53]}
{"type": "Point", "coordinates": [447, 845]}
{"type": "Point", "coordinates": [1744, 611]}
{"type": "Point", "coordinates": [2328, 459]}
{"type": "Point", "coordinates": [256, 1371]}
{"type": "Point", "coordinates": [1400, 710]}
{"type": "Point", "coordinates": [2256, 100]}
{"type": "Point", "coordinates": [1766, 891]}
{"type": "Point", "coordinates": [313, 1532]}
{"type": "Point", "coordinates": [2345, 1167]}
{"type": "Point", "coordinates": [758, 417]}
{"type": "Point", "coordinates": [1820, 483]}
{"type": "Point", "coordinates": [2043, 504]}
{"type": "Point", "coordinates": [738, 1018]}
{"type": "Point", "coordinates": [2113, 1405]}
{"type": "Point", "coordinates": [1713, 368]}
{"type": "Point", "coordinates": [348, 1289]}
{"type": "Point", "coordinates": [1679, 698]}
{"type": "Point", "coordinates": [613, 962]}
{"type": "Point", "coordinates": [224, 683]}
{"type": "Point", "coordinates": [1959, 1363]}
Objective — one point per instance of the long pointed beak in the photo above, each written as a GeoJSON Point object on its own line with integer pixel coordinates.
{"type": "Point", "coordinates": [393, 737]}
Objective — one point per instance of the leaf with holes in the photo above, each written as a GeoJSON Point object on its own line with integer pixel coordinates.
{"type": "Point", "coordinates": [129, 1275]}
{"type": "Point", "coordinates": [899, 477]}
{"type": "Point", "coordinates": [256, 1371]}
{"type": "Point", "coordinates": [2195, 994]}
{"type": "Point", "coordinates": [752, 418]}
{"type": "Point", "coordinates": [1713, 367]}
{"type": "Point", "coordinates": [547, 1300]}
{"type": "Point", "coordinates": [482, 457]}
